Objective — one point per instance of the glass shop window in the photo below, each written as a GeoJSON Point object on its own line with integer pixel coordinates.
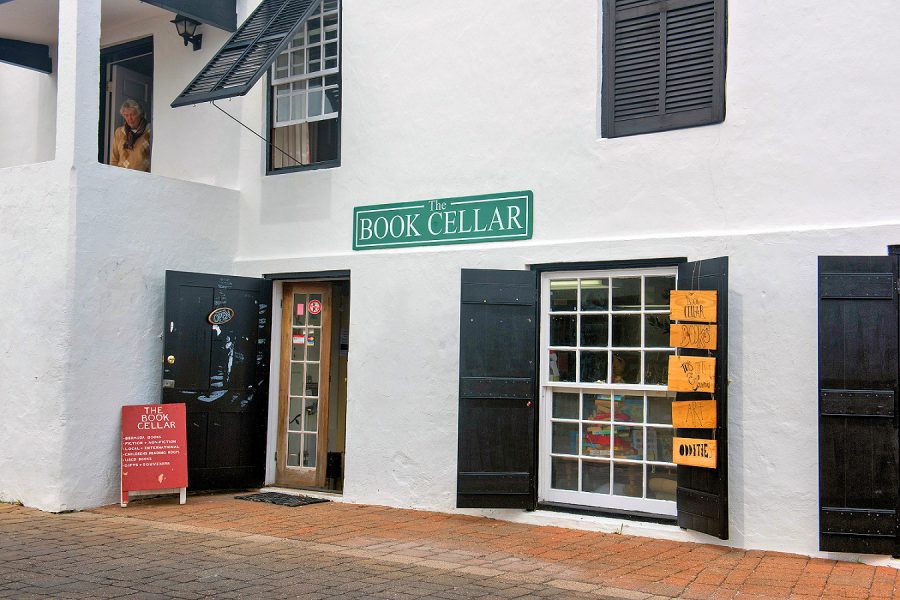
{"type": "Point", "coordinates": [606, 421]}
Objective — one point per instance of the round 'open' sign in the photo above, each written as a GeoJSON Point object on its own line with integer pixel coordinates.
{"type": "Point", "coordinates": [220, 316]}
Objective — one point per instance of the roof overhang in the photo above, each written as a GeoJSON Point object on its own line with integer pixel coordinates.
{"type": "Point", "coordinates": [37, 21]}
{"type": "Point", "coordinates": [218, 13]}
{"type": "Point", "coordinates": [26, 54]}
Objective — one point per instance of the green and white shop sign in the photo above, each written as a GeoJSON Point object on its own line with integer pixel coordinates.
{"type": "Point", "coordinates": [464, 220]}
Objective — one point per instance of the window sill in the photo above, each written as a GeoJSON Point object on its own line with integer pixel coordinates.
{"type": "Point", "coordinates": [594, 521]}
{"type": "Point", "coordinates": [607, 512]}
{"type": "Point", "coordinates": [328, 164]}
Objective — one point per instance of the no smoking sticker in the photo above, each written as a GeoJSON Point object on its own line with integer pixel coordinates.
{"type": "Point", "coordinates": [314, 307]}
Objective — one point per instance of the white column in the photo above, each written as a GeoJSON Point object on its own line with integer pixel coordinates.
{"type": "Point", "coordinates": [78, 81]}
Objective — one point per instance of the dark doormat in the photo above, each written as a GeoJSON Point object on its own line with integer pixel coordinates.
{"type": "Point", "coordinates": [281, 499]}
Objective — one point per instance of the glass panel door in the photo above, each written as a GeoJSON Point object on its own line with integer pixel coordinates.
{"type": "Point", "coordinates": [303, 408]}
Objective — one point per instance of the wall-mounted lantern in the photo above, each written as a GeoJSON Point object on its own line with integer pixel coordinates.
{"type": "Point", "coordinates": [187, 29]}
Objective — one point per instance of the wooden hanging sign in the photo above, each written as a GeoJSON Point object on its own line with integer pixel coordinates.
{"type": "Point", "coordinates": [692, 374]}
{"type": "Point", "coordinates": [694, 414]}
{"type": "Point", "coordinates": [693, 335]}
{"type": "Point", "coordinates": [694, 452]}
{"type": "Point", "coordinates": [698, 306]}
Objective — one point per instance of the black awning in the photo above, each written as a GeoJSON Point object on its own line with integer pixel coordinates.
{"type": "Point", "coordinates": [248, 54]}
{"type": "Point", "coordinates": [26, 54]}
{"type": "Point", "coordinates": [218, 13]}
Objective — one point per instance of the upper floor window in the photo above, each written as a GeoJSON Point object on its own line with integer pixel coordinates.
{"type": "Point", "coordinates": [305, 94]}
{"type": "Point", "coordinates": [663, 65]}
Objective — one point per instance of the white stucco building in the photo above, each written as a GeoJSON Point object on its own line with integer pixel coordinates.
{"type": "Point", "coordinates": [625, 143]}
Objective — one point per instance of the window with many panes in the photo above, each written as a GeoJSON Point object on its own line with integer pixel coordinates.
{"type": "Point", "coordinates": [305, 94]}
{"type": "Point", "coordinates": [606, 416]}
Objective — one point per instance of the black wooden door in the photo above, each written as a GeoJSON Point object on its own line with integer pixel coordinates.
{"type": "Point", "coordinates": [497, 353]}
{"type": "Point", "coordinates": [858, 385]}
{"type": "Point", "coordinates": [220, 371]}
{"type": "Point", "coordinates": [702, 494]}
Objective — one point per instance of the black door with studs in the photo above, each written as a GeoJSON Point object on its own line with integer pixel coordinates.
{"type": "Point", "coordinates": [859, 454]}
{"type": "Point", "coordinates": [497, 354]}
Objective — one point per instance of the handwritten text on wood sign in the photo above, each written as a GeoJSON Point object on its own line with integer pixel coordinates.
{"type": "Point", "coordinates": [693, 335]}
{"type": "Point", "coordinates": [692, 374]}
{"type": "Point", "coordinates": [698, 306]}
{"type": "Point", "coordinates": [694, 414]}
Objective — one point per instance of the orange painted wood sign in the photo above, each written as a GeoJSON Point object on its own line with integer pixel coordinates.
{"type": "Point", "coordinates": [694, 414]}
{"type": "Point", "coordinates": [692, 374]}
{"type": "Point", "coordinates": [698, 306]}
{"type": "Point", "coordinates": [693, 335]}
{"type": "Point", "coordinates": [694, 452]}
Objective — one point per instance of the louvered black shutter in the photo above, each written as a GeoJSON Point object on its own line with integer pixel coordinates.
{"type": "Point", "coordinates": [663, 65]}
{"type": "Point", "coordinates": [858, 387]}
{"type": "Point", "coordinates": [497, 353]}
{"type": "Point", "coordinates": [702, 494]}
{"type": "Point", "coordinates": [248, 54]}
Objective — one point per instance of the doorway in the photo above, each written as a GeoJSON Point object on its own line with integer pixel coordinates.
{"type": "Point", "coordinates": [313, 385]}
{"type": "Point", "coordinates": [126, 72]}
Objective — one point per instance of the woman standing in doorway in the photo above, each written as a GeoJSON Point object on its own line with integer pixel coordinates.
{"type": "Point", "coordinates": [132, 141]}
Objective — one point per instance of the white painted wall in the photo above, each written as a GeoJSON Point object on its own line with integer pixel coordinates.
{"type": "Point", "coordinates": [403, 367]}
{"type": "Point", "coordinates": [34, 331]}
{"type": "Point", "coordinates": [130, 228]}
{"type": "Point", "coordinates": [82, 317]}
{"type": "Point", "coordinates": [27, 115]}
{"type": "Point", "coordinates": [476, 98]}
{"type": "Point", "coordinates": [86, 247]}
{"type": "Point", "coordinates": [451, 100]}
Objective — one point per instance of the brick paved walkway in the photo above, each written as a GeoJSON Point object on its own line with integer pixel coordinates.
{"type": "Point", "coordinates": [219, 547]}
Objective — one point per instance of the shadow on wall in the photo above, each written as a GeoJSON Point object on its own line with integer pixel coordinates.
{"type": "Point", "coordinates": [27, 116]}
{"type": "Point", "coordinates": [736, 453]}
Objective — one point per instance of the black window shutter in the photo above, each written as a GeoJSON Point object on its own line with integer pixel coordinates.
{"type": "Point", "coordinates": [247, 55]}
{"type": "Point", "coordinates": [702, 494]}
{"type": "Point", "coordinates": [858, 386]}
{"type": "Point", "coordinates": [663, 65]}
{"type": "Point", "coordinates": [497, 353]}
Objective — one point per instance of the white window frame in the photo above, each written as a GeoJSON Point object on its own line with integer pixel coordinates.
{"type": "Point", "coordinates": [306, 77]}
{"type": "Point", "coordinates": [573, 497]}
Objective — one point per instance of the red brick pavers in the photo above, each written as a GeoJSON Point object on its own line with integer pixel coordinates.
{"type": "Point", "coordinates": [538, 561]}
{"type": "Point", "coordinates": [542, 554]}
